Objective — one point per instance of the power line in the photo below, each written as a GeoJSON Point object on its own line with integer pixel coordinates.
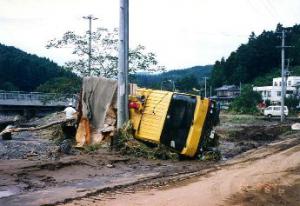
{"type": "Point", "coordinates": [272, 7]}
{"type": "Point", "coordinates": [267, 8]}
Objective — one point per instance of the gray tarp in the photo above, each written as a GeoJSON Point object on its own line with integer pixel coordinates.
{"type": "Point", "coordinates": [98, 94]}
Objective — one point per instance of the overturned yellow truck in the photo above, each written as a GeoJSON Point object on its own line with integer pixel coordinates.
{"type": "Point", "coordinates": [182, 122]}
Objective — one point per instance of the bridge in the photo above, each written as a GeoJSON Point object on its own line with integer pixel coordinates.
{"type": "Point", "coordinates": [33, 102]}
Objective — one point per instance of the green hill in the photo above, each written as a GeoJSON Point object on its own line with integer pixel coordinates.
{"type": "Point", "coordinates": [258, 59]}
{"type": "Point", "coordinates": [180, 76]}
{"type": "Point", "coordinates": [22, 71]}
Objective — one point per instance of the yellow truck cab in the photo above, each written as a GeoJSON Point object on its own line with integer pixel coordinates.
{"type": "Point", "coordinates": [179, 121]}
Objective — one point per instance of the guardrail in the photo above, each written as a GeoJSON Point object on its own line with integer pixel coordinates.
{"type": "Point", "coordinates": [35, 98]}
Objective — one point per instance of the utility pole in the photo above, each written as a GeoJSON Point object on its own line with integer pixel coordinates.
{"type": "Point", "coordinates": [123, 64]}
{"type": "Point", "coordinates": [173, 85]}
{"type": "Point", "coordinates": [205, 78]}
{"type": "Point", "coordinates": [282, 75]}
{"type": "Point", "coordinates": [283, 72]}
{"type": "Point", "coordinates": [90, 18]}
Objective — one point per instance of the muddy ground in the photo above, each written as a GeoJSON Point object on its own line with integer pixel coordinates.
{"type": "Point", "coordinates": [267, 176]}
{"type": "Point", "coordinates": [34, 172]}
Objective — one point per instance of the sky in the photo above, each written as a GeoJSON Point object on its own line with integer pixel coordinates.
{"type": "Point", "coordinates": [182, 33]}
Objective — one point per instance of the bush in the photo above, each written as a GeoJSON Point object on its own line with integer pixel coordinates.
{"type": "Point", "coordinates": [246, 102]}
{"type": "Point", "coordinates": [291, 103]}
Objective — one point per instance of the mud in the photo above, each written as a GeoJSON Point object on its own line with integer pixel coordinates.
{"type": "Point", "coordinates": [34, 172]}
{"type": "Point", "coordinates": [242, 138]}
{"type": "Point", "coordinates": [268, 194]}
{"type": "Point", "coordinates": [260, 177]}
{"type": "Point", "coordinates": [82, 175]}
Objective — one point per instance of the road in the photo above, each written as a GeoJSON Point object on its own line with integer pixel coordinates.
{"type": "Point", "coordinates": [266, 176]}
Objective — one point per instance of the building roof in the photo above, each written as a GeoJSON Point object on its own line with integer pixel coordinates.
{"type": "Point", "coordinates": [289, 77]}
{"type": "Point", "coordinates": [272, 88]}
{"type": "Point", "coordinates": [227, 87]}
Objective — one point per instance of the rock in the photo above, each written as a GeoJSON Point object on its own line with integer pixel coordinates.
{"type": "Point", "coordinates": [66, 146]}
{"type": "Point", "coordinates": [110, 166]}
{"type": "Point", "coordinates": [296, 126]}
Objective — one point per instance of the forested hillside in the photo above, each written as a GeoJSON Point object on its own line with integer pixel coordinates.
{"type": "Point", "coordinates": [184, 79]}
{"type": "Point", "coordinates": [22, 71]}
{"type": "Point", "coordinates": [257, 59]}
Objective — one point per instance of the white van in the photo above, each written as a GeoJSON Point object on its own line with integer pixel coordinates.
{"type": "Point", "coordinates": [275, 111]}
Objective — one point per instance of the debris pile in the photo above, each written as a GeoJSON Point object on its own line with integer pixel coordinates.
{"type": "Point", "coordinates": [97, 111]}
{"type": "Point", "coordinates": [128, 145]}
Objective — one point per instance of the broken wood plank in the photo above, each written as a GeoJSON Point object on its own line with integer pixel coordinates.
{"type": "Point", "coordinates": [20, 129]}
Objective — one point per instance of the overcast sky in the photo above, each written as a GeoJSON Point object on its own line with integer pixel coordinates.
{"type": "Point", "coordinates": [182, 33]}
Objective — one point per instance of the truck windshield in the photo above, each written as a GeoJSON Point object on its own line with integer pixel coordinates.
{"type": "Point", "coordinates": [179, 120]}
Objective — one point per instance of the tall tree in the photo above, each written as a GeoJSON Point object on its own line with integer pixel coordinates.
{"type": "Point", "coordinates": [104, 58]}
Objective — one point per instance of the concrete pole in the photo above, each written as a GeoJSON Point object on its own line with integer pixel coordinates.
{"type": "Point", "coordinates": [123, 65]}
{"type": "Point", "coordinates": [173, 85]}
{"type": "Point", "coordinates": [126, 38]}
{"type": "Point", "coordinates": [282, 75]}
{"type": "Point", "coordinates": [90, 42]}
{"type": "Point", "coordinates": [205, 87]}
{"type": "Point", "coordinates": [90, 18]}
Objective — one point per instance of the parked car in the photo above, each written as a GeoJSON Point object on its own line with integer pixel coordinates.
{"type": "Point", "coordinates": [275, 111]}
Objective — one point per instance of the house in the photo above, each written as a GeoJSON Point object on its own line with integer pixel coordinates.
{"type": "Point", "coordinates": [228, 91]}
{"type": "Point", "coordinates": [226, 94]}
{"type": "Point", "coordinates": [273, 93]}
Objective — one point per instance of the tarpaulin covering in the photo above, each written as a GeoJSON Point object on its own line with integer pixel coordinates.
{"type": "Point", "coordinates": [99, 96]}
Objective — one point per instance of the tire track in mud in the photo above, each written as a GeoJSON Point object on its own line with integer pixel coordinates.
{"type": "Point", "coordinates": [182, 178]}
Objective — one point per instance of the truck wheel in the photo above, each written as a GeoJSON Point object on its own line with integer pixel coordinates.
{"type": "Point", "coordinates": [269, 115]}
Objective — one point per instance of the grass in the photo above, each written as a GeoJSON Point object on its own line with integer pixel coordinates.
{"type": "Point", "coordinates": [92, 148]}
{"type": "Point", "coordinates": [128, 145]}
{"type": "Point", "coordinates": [232, 118]}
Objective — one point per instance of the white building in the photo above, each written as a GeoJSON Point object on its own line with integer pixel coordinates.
{"type": "Point", "coordinates": [292, 81]}
{"type": "Point", "coordinates": [273, 93]}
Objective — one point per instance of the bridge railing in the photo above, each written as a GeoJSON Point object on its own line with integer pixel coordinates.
{"type": "Point", "coordinates": [36, 98]}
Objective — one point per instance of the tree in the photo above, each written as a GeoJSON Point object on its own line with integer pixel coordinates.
{"type": "Point", "coordinates": [291, 102]}
{"type": "Point", "coordinates": [186, 84]}
{"type": "Point", "coordinates": [23, 71]}
{"type": "Point", "coordinates": [8, 86]}
{"type": "Point", "coordinates": [61, 85]}
{"type": "Point", "coordinates": [247, 101]}
{"type": "Point", "coordinates": [104, 58]}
